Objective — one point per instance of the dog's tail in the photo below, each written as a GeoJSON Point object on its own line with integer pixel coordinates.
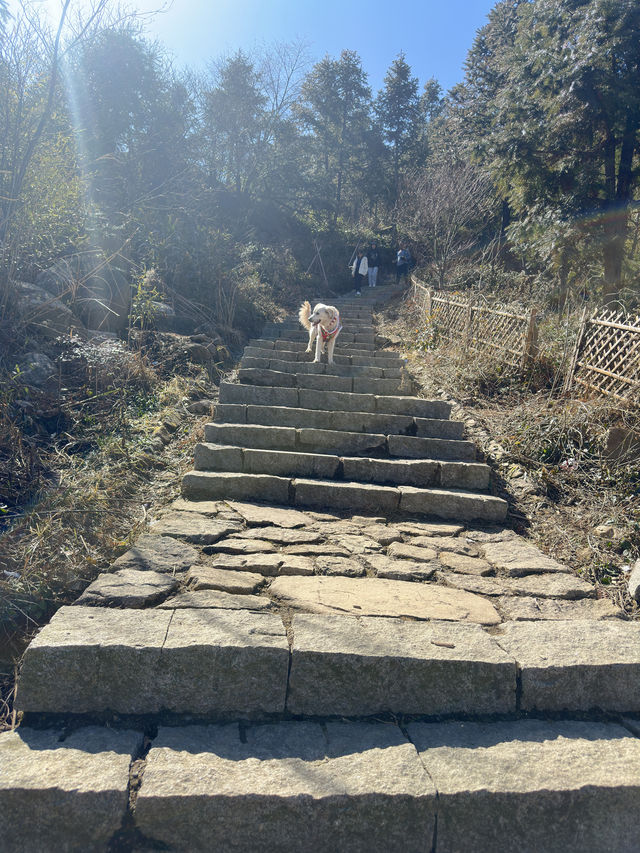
{"type": "Point", "coordinates": [304, 313]}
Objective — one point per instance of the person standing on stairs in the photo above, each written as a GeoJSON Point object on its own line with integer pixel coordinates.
{"type": "Point", "coordinates": [373, 262]}
{"type": "Point", "coordinates": [359, 270]}
{"type": "Point", "coordinates": [403, 259]}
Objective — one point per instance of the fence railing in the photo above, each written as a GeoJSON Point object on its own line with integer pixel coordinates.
{"type": "Point", "coordinates": [510, 338]}
{"type": "Point", "coordinates": [606, 356]}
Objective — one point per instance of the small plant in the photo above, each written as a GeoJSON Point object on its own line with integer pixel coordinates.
{"type": "Point", "coordinates": [144, 307]}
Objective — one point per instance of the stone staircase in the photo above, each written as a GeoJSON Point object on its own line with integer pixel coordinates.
{"type": "Point", "coordinates": [330, 642]}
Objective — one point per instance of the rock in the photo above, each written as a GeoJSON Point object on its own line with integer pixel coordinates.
{"type": "Point", "coordinates": [225, 580]}
{"type": "Point", "coordinates": [257, 515]}
{"type": "Point", "coordinates": [208, 508]}
{"type": "Point", "coordinates": [358, 667]}
{"type": "Point", "coordinates": [157, 553]}
{"type": "Point", "coordinates": [550, 586]}
{"type": "Point", "coordinates": [400, 570]}
{"type": "Point", "coordinates": [576, 665]}
{"type": "Point", "coordinates": [517, 557]}
{"type": "Point", "coordinates": [198, 354]}
{"type": "Point", "coordinates": [128, 588]}
{"type": "Point", "coordinates": [201, 407]}
{"type": "Point", "coordinates": [634, 581]}
{"type": "Point", "coordinates": [532, 785]}
{"type": "Point", "coordinates": [339, 566]}
{"type": "Point", "coordinates": [45, 315]}
{"type": "Point", "coordinates": [490, 534]}
{"type": "Point", "coordinates": [609, 531]}
{"type": "Point", "coordinates": [429, 528]}
{"type": "Point", "coordinates": [267, 564]}
{"type": "Point", "coordinates": [282, 536]}
{"type": "Point", "coordinates": [63, 791]}
{"type": "Point", "coordinates": [382, 534]}
{"type": "Point", "coordinates": [318, 550]}
{"type": "Point", "coordinates": [623, 443]}
{"type": "Point", "coordinates": [456, 544]}
{"type": "Point", "coordinates": [411, 552]}
{"type": "Point", "coordinates": [526, 609]}
{"type": "Point", "coordinates": [240, 546]}
{"type": "Point", "coordinates": [379, 597]}
{"type": "Point", "coordinates": [356, 544]}
{"type": "Point", "coordinates": [35, 368]}
{"type": "Point", "coordinates": [294, 785]}
{"type": "Point", "coordinates": [214, 598]}
{"type": "Point", "coordinates": [465, 565]}
{"type": "Point", "coordinates": [171, 421]}
{"type": "Point", "coordinates": [194, 527]}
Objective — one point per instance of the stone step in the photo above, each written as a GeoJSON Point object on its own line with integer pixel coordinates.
{"type": "Point", "coordinates": [313, 440]}
{"type": "Point", "coordinates": [319, 382]}
{"type": "Point", "coordinates": [302, 355]}
{"type": "Point", "coordinates": [322, 368]}
{"type": "Point", "coordinates": [350, 421]}
{"type": "Point", "coordinates": [344, 337]}
{"type": "Point", "coordinates": [231, 392]}
{"type": "Point", "coordinates": [449, 503]}
{"type": "Point", "coordinates": [358, 322]}
{"type": "Point", "coordinates": [505, 787]}
{"type": "Point", "coordinates": [348, 351]}
{"type": "Point", "coordinates": [283, 463]}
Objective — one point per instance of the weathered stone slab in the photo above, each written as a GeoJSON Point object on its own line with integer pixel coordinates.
{"type": "Point", "coordinates": [541, 586]}
{"type": "Point", "coordinates": [465, 565]}
{"type": "Point", "coordinates": [217, 457]}
{"type": "Point", "coordinates": [252, 435]}
{"type": "Point", "coordinates": [262, 396]}
{"type": "Point", "coordinates": [342, 665]}
{"type": "Point", "coordinates": [428, 528]}
{"type": "Point", "coordinates": [224, 662]}
{"type": "Point", "coordinates": [224, 579]}
{"type": "Point", "coordinates": [339, 566]}
{"type": "Point", "coordinates": [209, 508]}
{"type": "Point", "coordinates": [206, 598]}
{"type": "Point", "coordinates": [357, 544]}
{"type": "Point", "coordinates": [198, 485]}
{"type": "Point", "coordinates": [431, 448]}
{"type": "Point", "coordinates": [400, 551]}
{"type": "Point", "coordinates": [290, 463]}
{"type": "Point", "coordinates": [266, 564]}
{"type": "Point", "coordinates": [517, 557]}
{"type": "Point", "coordinates": [193, 527]}
{"type": "Point", "coordinates": [353, 496]}
{"type": "Point", "coordinates": [401, 570]}
{"type": "Point", "coordinates": [257, 515]}
{"type": "Point", "coordinates": [157, 553]}
{"type": "Point", "coordinates": [455, 544]}
{"type": "Point", "coordinates": [526, 609]}
{"type": "Point", "coordinates": [411, 472]}
{"type": "Point", "coordinates": [283, 536]}
{"type": "Point", "coordinates": [90, 659]}
{"type": "Point", "coordinates": [340, 441]}
{"type": "Point", "coordinates": [382, 533]}
{"type": "Point", "coordinates": [531, 785]}
{"type": "Point", "coordinates": [294, 785]}
{"type": "Point", "coordinates": [465, 506]}
{"type": "Point", "coordinates": [336, 400]}
{"type": "Point", "coordinates": [63, 794]}
{"type": "Point", "coordinates": [415, 406]}
{"type": "Point", "coordinates": [491, 533]}
{"type": "Point", "coordinates": [318, 550]}
{"type": "Point", "coordinates": [576, 665]}
{"type": "Point", "coordinates": [128, 588]}
{"type": "Point", "coordinates": [241, 546]}
{"type": "Point", "coordinates": [464, 475]}
{"type": "Point", "coordinates": [379, 597]}
{"type": "Point", "coordinates": [634, 581]}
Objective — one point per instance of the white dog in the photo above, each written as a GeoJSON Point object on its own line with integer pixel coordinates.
{"type": "Point", "coordinates": [324, 326]}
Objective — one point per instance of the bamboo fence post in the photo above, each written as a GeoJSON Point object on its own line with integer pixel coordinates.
{"type": "Point", "coordinates": [576, 354]}
{"type": "Point", "coordinates": [530, 340]}
{"type": "Point", "coordinates": [469, 320]}
{"type": "Point", "coordinates": [429, 302]}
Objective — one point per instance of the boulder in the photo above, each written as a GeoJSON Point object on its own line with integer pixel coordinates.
{"type": "Point", "coordinates": [45, 314]}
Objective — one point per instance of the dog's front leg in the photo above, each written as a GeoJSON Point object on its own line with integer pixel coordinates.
{"type": "Point", "coordinates": [319, 347]}
{"type": "Point", "coordinates": [331, 345]}
{"type": "Point", "coordinates": [312, 334]}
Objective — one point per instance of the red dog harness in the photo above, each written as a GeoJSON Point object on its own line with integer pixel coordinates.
{"type": "Point", "coordinates": [327, 334]}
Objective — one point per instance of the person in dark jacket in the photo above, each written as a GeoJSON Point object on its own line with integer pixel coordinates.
{"type": "Point", "coordinates": [403, 259]}
{"type": "Point", "coordinates": [359, 270]}
{"type": "Point", "coordinates": [373, 259]}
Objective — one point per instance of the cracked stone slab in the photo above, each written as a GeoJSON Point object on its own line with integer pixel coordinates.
{"type": "Point", "coordinates": [381, 597]}
{"type": "Point", "coordinates": [204, 598]}
{"type": "Point", "coordinates": [128, 588]}
{"type": "Point", "coordinates": [531, 785]}
{"type": "Point", "coordinates": [157, 553]}
{"type": "Point", "coordinates": [383, 534]}
{"type": "Point", "coordinates": [318, 550]}
{"type": "Point", "coordinates": [63, 794]}
{"type": "Point", "coordinates": [465, 565]}
{"type": "Point", "coordinates": [196, 528]}
{"type": "Point", "coordinates": [257, 515]}
{"type": "Point", "coordinates": [208, 508]}
{"type": "Point", "coordinates": [269, 565]}
{"type": "Point", "coordinates": [492, 533]}
{"type": "Point", "coordinates": [281, 535]}
{"type": "Point", "coordinates": [400, 570]}
{"type": "Point", "coordinates": [400, 551]}
{"type": "Point", "coordinates": [357, 544]}
{"type": "Point", "coordinates": [426, 528]}
{"type": "Point", "coordinates": [292, 785]}
{"type": "Point", "coordinates": [455, 544]}
{"type": "Point", "coordinates": [541, 586]}
{"type": "Point", "coordinates": [339, 566]}
{"type": "Point", "coordinates": [358, 667]}
{"type": "Point", "coordinates": [224, 580]}
{"type": "Point", "coordinates": [90, 659]}
{"type": "Point", "coordinates": [525, 609]}
{"type": "Point", "coordinates": [517, 557]}
{"type": "Point", "coordinates": [240, 546]}
{"type": "Point", "coordinates": [576, 665]}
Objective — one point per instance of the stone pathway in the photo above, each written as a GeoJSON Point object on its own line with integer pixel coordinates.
{"type": "Point", "coordinates": [330, 641]}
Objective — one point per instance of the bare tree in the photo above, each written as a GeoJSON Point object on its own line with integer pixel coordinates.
{"type": "Point", "coordinates": [438, 209]}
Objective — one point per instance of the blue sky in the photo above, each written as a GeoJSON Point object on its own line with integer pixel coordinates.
{"type": "Point", "coordinates": [434, 34]}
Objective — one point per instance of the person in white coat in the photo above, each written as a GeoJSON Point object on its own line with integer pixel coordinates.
{"type": "Point", "coordinates": [359, 270]}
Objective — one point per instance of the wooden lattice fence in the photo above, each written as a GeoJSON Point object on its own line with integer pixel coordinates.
{"type": "Point", "coordinates": [606, 357]}
{"type": "Point", "coordinates": [503, 335]}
